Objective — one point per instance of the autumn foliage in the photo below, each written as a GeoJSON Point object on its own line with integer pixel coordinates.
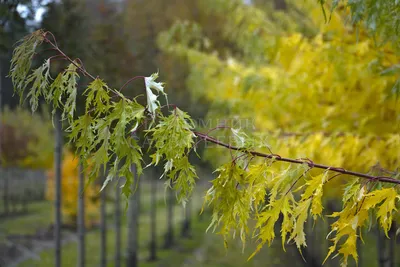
{"type": "Point", "coordinates": [69, 187]}
{"type": "Point", "coordinates": [25, 139]}
{"type": "Point", "coordinates": [323, 103]}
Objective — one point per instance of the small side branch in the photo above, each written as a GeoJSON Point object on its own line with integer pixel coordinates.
{"type": "Point", "coordinates": [55, 46]}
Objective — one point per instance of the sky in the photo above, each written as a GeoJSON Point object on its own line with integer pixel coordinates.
{"type": "Point", "coordinates": [39, 10]}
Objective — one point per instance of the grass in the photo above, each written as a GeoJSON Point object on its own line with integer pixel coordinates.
{"type": "Point", "coordinates": [201, 250]}
{"type": "Point", "coordinates": [211, 252]}
{"type": "Point", "coordinates": [69, 250]}
{"type": "Point", "coordinates": [184, 249]}
{"type": "Point", "coordinates": [38, 216]}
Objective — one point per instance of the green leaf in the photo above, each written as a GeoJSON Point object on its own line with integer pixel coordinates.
{"type": "Point", "coordinates": [69, 85]}
{"type": "Point", "coordinates": [40, 81]}
{"type": "Point", "coordinates": [22, 60]}
{"type": "Point", "coordinates": [231, 204]}
{"type": "Point", "coordinates": [127, 113]}
{"type": "Point", "coordinates": [82, 135]}
{"type": "Point", "coordinates": [100, 157]}
{"type": "Point", "coordinates": [183, 176]}
{"type": "Point", "coordinates": [172, 139]}
{"type": "Point", "coordinates": [97, 97]}
{"type": "Point", "coordinates": [55, 92]}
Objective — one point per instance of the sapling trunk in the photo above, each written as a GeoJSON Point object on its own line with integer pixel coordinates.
{"type": "Point", "coordinates": [187, 216]}
{"type": "Point", "coordinates": [392, 245]}
{"type": "Point", "coordinates": [81, 217]}
{"type": "Point", "coordinates": [58, 196]}
{"type": "Point", "coordinates": [153, 221]}
{"type": "Point", "coordinates": [117, 225]}
{"type": "Point", "coordinates": [6, 196]}
{"type": "Point", "coordinates": [169, 235]}
{"type": "Point", "coordinates": [103, 226]}
{"type": "Point", "coordinates": [133, 224]}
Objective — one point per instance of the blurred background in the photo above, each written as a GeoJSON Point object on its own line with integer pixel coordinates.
{"type": "Point", "coordinates": [273, 68]}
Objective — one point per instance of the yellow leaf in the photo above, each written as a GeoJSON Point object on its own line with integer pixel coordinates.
{"type": "Point", "coordinates": [387, 197]}
{"type": "Point", "coordinates": [300, 215]}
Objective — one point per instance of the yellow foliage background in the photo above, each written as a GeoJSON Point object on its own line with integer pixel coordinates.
{"type": "Point", "coordinates": [69, 189]}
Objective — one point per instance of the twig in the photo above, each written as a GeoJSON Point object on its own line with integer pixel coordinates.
{"type": "Point", "coordinates": [298, 179]}
{"type": "Point", "coordinates": [129, 81]}
{"type": "Point", "coordinates": [55, 46]}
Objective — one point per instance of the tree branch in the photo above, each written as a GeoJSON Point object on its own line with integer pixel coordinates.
{"type": "Point", "coordinates": [55, 46]}
{"type": "Point", "coordinates": [206, 137]}
{"type": "Point", "coordinates": [384, 179]}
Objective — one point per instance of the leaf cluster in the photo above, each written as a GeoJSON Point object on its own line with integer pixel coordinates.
{"type": "Point", "coordinates": [172, 139]}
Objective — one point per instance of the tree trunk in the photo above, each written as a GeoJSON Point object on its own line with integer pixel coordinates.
{"type": "Point", "coordinates": [313, 250]}
{"type": "Point", "coordinates": [331, 207]}
{"type": "Point", "coordinates": [133, 224]}
{"type": "Point", "coordinates": [103, 226]}
{"type": "Point", "coordinates": [25, 200]}
{"type": "Point", "coordinates": [392, 245]}
{"type": "Point", "coordinates": [58, 196]}
{"type": "Point", "coordinates": [81, 217]}
{"type": "Point", "coordinates": [1, 107]}
{"type": "Point", "coordinates": [153, 221]}
{"type": "Point", "coordinates": [6, 192]}
{"type": "Point", "coordinates": [187, 215]}
{"type": "Point", "coordinates": [381, 248]}
{"type": "Point", "coordinates": [117, 226]}
{"type": "Point", "coordinates": [360, 252]}
{"type": "Point", "coordinates": [169, 236]}
{"type": "Point", "coordinates": [280, 4]}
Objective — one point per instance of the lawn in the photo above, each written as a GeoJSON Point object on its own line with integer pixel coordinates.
{"type": "Point", "coordinates": [41, 214]}
{"type": "Point", "coordinates": [203, 249]}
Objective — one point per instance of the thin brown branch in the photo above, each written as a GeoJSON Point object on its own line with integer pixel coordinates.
{"type": "Point", "coordinates": [52, 35]}
{"type": "Point", "coordinates": [298, 179]}
{"type": "Point", "coordinates": [384, 179]}
{"type": "Point", "coordinates": [130, 80]}
{"type": "Point", "coordinates": [55, 46]}
{"type": "Point", "coordinates": [334, 176]}
{"type": "Point", "coordinates": [56, 57]}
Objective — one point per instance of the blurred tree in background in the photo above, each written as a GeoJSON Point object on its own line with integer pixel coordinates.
{"type": "Point", "coordinates": [308, 89]}
{"type": "Point", "coordinates": [13, 26]}
{"type": "Point", "coordinates": [26, 139]}
{"type": "Point", "coordinates": [12, 23]}
{"type": "Point", "coordinates": [69, 187]}
{"type": "Point", "coordinates": [297, 76]}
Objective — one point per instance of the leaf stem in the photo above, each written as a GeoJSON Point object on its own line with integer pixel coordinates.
{"type": "Point", "coordinates": [131, 80]}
